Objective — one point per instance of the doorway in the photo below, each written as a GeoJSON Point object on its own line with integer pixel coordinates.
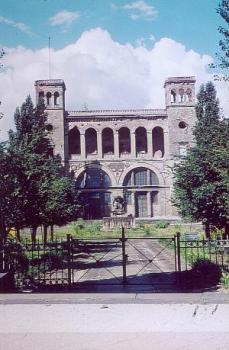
{"type": "Point", "coordinates": [141, 205]}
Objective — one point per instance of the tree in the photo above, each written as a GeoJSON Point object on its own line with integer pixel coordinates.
{"type": "Point", "coordinates": [60, 205]}
{"type": "Point", "coordinates": [1, 55]}
{"type": "Point", "coordinates": [201, 180]}
{"type": "Point", "coordinates": [39, 174]}
{"type": "Point", "coordinates": [223, 10]}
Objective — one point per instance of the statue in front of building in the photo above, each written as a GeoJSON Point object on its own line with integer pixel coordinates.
{"type": "Point", "coordinates": [118, 206]}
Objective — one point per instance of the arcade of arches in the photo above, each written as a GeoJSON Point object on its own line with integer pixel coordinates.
{"type": "Point", "coordinates": [121, 143]}
{"type": "Point", "coordinates": [140, 190]}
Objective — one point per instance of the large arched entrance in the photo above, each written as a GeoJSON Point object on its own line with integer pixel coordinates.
{"type": "Point", "coordinates": [94, 185]}
{"type": "Point", "coordinates": [141, 191]}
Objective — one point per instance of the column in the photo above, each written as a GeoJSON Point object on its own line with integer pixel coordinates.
{"type": "Point", "coordinates": [133, 144]}
{"type": "Point", "coordinates": [150, 144]}
{"type": "Point", "coordinates": [99, 144]}
{"type": "Point", "coordinates": [166, 144]}
{"type": "Point", "coordinates": [148, 177]}
{"type": "Point", "coordinates": [82, 145]}
{"type": "Point", "coordinates": [116, 144]}
{"type": "Point", "coordinates": [132, 182]}
{"type": "Point", "coordinates": [149, 204]}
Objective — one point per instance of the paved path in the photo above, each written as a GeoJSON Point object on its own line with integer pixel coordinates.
{"type": "Point", "coordinates": [148, 262]}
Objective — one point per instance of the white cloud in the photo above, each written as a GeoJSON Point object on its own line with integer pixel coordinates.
{"type": "Point", "coordinates": [21, 26]}
{"type": "Point", "coordinates": [64, 18]}
{"type": "Point", "coordinates": [144, 41]}
{"type": "Point", "coordinates": [152, 37]}
{"type": "Point", "coordinates": [102, 73]}
{"type": "Point", "coordinates": [140, 9]}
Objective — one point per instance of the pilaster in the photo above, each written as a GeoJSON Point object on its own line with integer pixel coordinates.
{"type": "Point", "coordinates": [99, 144]}
{"type": "Point", "coordinates": [149, 204]}
{"type": "Point", "coordinates": [116, 144]}
{"type": "Point", "coordinates": [150, 144]}
{"type": "Point", "coordinates": [133, 144]}
{"type": "Point", "coordinates": [82, 145]}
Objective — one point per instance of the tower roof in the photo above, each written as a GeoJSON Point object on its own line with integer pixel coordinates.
{"type": "Point", "coordinates": [170, 80]}
{"type": "Point", "coordinates": [50, 82]}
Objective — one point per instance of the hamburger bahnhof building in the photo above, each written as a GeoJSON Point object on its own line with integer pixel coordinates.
{"type": "Point", "coordinates": [123, 153]}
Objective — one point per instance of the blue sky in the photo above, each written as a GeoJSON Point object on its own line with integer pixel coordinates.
{"type": "Point", "coordinates": [193, 23]}
{"type": "Point", "coordinates": [110, 53]}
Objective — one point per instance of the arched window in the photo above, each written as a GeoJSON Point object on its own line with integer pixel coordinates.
{"type": "Point", "coordinates": [108, 141]}
{"type": "Point", "coordinates": [181, 95]}
{"type": "Point", "coordinates": [189, 95]}
{"type": "Point", "coordinates": [141, 140]}
{"type": "Point", "coordinates": [48, 98]}
{"type": "Point", "coordinates": [173, 96]}
{"type": "Point", "coordinates": [41, 95]}
{"type": "Point", "coordinates": [56, 98]}
{"type": "Point", "coordinates": [124, 140]}
{"type": "Point", "coordinates": [140, 177]}
{"type": "Point", "coordinates": [74, 141]}
{"type": "Point", "coordinates": [93, 178]}
{"type": "Point", "coordinates": [91, 141]}
{"type": "Point", "coordinates": [158, 142]}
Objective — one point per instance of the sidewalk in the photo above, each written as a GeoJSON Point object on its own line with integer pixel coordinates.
{"type": "Point", "coordinates": [197, 321]}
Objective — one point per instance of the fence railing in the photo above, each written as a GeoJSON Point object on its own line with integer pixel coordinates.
{"type": "Point", "coordinates": [53, 263]}
{"type": "Point", "coordinates": [216, 251]}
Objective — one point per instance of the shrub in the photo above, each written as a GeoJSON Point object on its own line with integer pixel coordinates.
{"type": "Point", "coordinates": [147, 229]}
{"type": "Point", "coordinates": [93, 227]}
{"type": "Point", "coordinates": [206, 273]}
{"type": "Point", "coordinates": [52, 260]}
{"type": "Point", "coordinates": [78, 226]}
{"type": "Point", "coordinates": [225, 280]}
{"type": "Point", "coordinates": [162, 224]}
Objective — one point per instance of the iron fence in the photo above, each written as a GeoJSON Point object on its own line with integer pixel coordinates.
{"type": "Point", "coordinates": [217, 251]}
{"type": "Point", "coordinates": [70, 262]}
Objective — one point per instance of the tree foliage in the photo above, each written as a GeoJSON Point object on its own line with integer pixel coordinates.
{"type": "Point", "coordinates": [201, 180]}
{"type": "Point", "coordinates": [223, 10]}
{"type": "Point", "coordinates": [1, 55]}
{"type": "Point", "coordinates": [37, 192]}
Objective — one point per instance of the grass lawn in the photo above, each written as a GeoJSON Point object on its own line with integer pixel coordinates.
{"type": "Point", "coordinates": [93, 229]}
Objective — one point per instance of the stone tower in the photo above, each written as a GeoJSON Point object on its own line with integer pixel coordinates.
{"type": "Point", "coordinates": [53, 93]}
{"type": "Point", "coordinates": [180, 107]}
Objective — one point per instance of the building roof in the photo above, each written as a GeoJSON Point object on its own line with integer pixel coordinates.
{"type": "Point", "coordinates": [118, 113]}
{"type": "Point", "coordinates": [50, 82]}
{"type": "Point", "coordinates": [190, 79]}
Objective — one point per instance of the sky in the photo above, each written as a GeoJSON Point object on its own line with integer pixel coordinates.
{"type": "Point", "coordinates": [111, 53]}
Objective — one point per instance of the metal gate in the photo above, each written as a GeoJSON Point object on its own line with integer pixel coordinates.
{"type": "Point", "coordinates": [74, 263]}
{"type": "Point", "coordinates": [124, 261]}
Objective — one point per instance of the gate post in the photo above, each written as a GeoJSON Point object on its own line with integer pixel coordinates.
{"type": "Point", "coordinates": [178, 253]}
{"type": "Point", "coordinates": [123, 240]}
{"type": "Point", "coordinates": [69, 259]}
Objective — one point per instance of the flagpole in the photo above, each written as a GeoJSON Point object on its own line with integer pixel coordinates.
{"type": "Point", "coordinates": [49, 57]}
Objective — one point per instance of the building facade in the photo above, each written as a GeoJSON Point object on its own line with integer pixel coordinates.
{"type": "Point", "coordinates": [125, 154]}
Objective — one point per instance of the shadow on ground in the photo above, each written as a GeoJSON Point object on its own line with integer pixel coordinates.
{"type": "Point", "coordinates": [170, 282]}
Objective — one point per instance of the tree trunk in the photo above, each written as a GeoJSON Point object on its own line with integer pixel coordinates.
{"type": "Point", "coordinates": [2, 233]}
{"type": "Point", "coordinates": [51, 232]}
{"type": "Point", "coordinates": [2, 242]}
{"type": "Point", "coordinates": [45, 233]}
{"type": "Point", "coordinates": [18, 234]}
{"type": "Point", "coordinates": [33, 234]}
{"type": "Point", "coordinates": [207, 230]}
{"type": "Point", "coordinates": [226, 231]}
